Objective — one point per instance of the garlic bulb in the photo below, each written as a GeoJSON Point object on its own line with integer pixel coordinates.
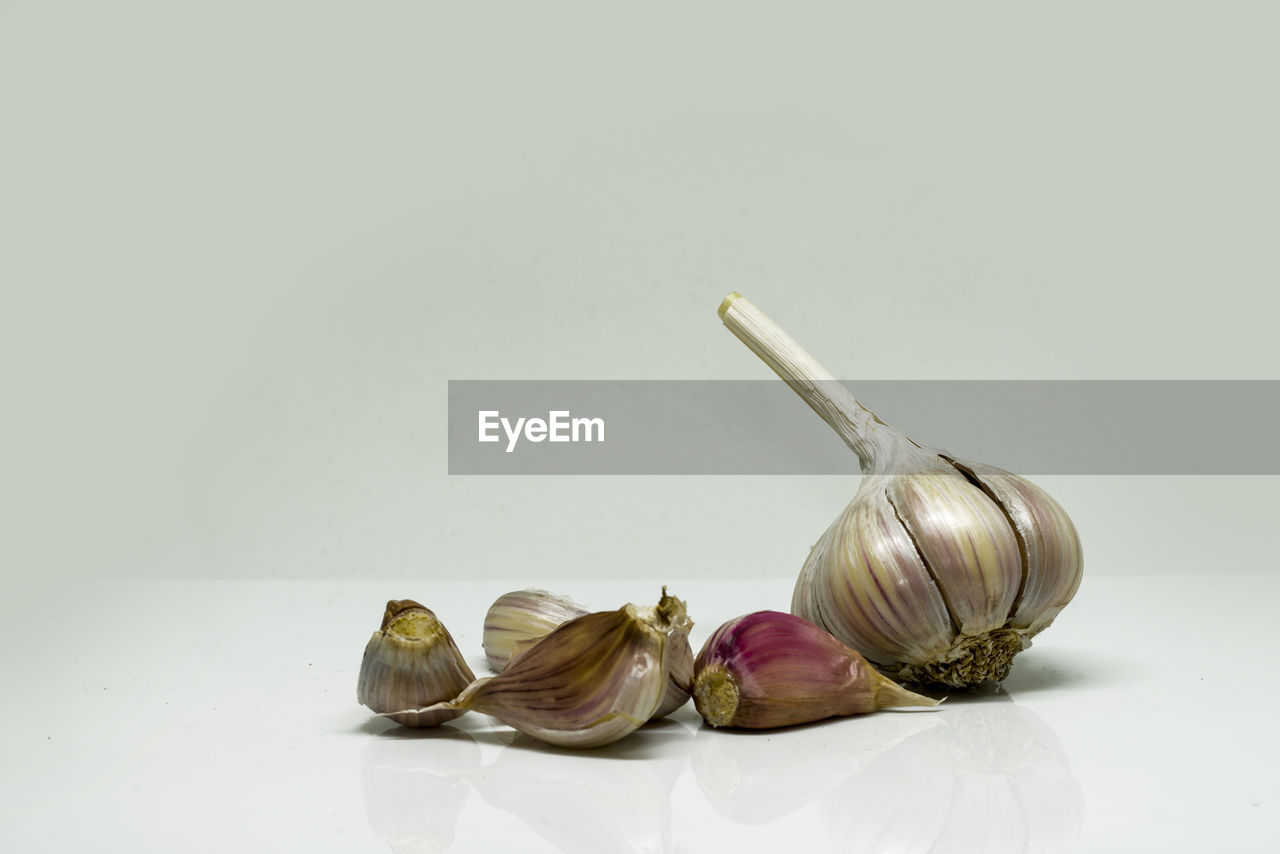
{"type": "Point", "coordinates": [411, 661]}
{"type": "Point", "coordinates": [939, 570]}
{"type": "Point", "coordinates": [518, 620]}
{"type": "Point", "coordinates": [770, 669]}
{"type": "Point", "coordinates": [590, 682]}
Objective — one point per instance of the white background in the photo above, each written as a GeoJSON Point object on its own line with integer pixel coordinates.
{"type": "Point", "coordinates": [245, 245]}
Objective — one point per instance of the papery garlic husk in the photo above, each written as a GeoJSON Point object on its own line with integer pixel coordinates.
{"type": "Point", "coordinates": [940, 570]}
{"type": "Point", "coordinates": [518, 620]}
{"type": "Point", "coordinates": [590, 682]}
{"type": "Point", "coordinates": [771, 669]}
{"type": "Point", "coordinates": [411, 662]}
{"type": "Point", "coordinates": [679, 668]}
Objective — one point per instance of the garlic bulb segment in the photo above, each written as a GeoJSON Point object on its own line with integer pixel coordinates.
{"type": "Point", "coordinates": [679, 671]}
{"type": "Point", "coordinates": [409, 663]}
{"type": "Point", "coordinates": [771, 669]}
{"type": "Point", "coordinates": [940, 569]}
{"type": "Point", "coordinates": [1046, 536]}
{"type": "Point", "coordinates": [592, 681]}
{"type": "Point", "coordinates": [516, 621]}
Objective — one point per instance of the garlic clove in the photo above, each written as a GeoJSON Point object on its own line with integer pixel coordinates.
{"type": "Point", "coordinates": [771, 669]}
{"type": "Point", "coordinates": [890, 608]}
{"type": "Point", "coordinates": [517, 619]}
{"type": "Point", "coordinates": [1048, 539]}
{"type": "Point", "coordinates": [520, 647]}
{"type": "Point", "coordinates": [965, 541]}
{"type": "Point", "coordinates": [592, 681]}
{"type": "Point", "coordinates": [679, 670]}
{"type": "Point", "coordinates": [411, 662]}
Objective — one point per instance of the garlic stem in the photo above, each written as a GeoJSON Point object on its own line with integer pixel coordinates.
{"type": "Point", "coordinates": [871, 439]}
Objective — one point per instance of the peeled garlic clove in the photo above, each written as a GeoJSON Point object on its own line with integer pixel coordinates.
{"type": "Point", "coordinates": [590, 682]}
{"type": "Point", "coordinates": [409, 663]}
{"type": "Point", "coordinates": [771, 669]}
{"type": "Point", "coordinates": [516, 621]}
{"type": "Point", "coordinates": [939, 570]}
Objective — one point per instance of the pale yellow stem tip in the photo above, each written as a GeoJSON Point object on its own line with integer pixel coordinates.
{"type": "Point", "coordinates": [728, 301]}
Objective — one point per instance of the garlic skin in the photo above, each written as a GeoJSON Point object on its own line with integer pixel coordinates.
{"type": "Point", "coordinates": [592, 681]}
{"type": "Point", "coordinates": [411, 662]}
{"type": "Point", "coordinates": [516, 621]}
{"type": "Point", "coordinates": [940, 570]}
{"type": "Point", "coordinates": [679, 669]}
{"type": "Point", "coordinates": [516, 618]}
{"type": "Point", "coordinates": [771, 669]}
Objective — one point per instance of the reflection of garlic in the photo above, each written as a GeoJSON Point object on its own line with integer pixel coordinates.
{"type": "Point", "coordinates": [416, 788]}
{"type": "Point", "coordinates": [755, 781]}
{"type": "Point", "coordinates": [411, 662]}
{"type": "Point", "coordinates": [518, 620]}
{"type": "Point", "coordinates": [770, 669]}
{"type": "Point", "coordinates": [939, 570]}
{"type": "Point", "coordinates": [591, 681]}
{"type": "Point", "coordinates": [995, 779]}
{"type": "Point", "coordinates": [620, 806]}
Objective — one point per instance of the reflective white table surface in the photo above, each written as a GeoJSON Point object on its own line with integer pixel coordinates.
{"type": "Point", "coordinates": [215, 716]}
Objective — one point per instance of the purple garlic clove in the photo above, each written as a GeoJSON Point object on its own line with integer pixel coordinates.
{"type": "Point", "coordinates": [771, 669]}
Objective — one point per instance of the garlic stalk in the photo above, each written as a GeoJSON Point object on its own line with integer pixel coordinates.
{"type": "Point", "coordinates": [411, 661]}
{"type": "Point", "coordinates": [939, 570]}
{"type": "Point", "coordinates": [592, 681]}
{"type": "Point", "coordinates": [516, 621]}
{"type": "Point", "coordinates": [770, 669]}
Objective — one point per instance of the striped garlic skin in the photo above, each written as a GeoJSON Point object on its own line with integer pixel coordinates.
{"type": "Point", "coordinates": [1053, 559]}
{"type": "Point", "coordinates": [592, 681]}
{"type": "Point", "coordinates": [411, 662]}
{"type": "Point", "coordinates": [518, 620]}
{"type": "Point", "coordinates": [679, 667]}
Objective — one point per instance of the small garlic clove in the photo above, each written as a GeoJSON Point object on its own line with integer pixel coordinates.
{"type": "Point", "coordinates": [888, 605]}
{"type": "Point", "coordinates": [590, 682]}
{"type": "Point", "coordinates": [518, 619]}
{"type": "Point", "coordinates": [965, 541]}
{"type": "Point", "coordinates": [679, 669]}
{"type": "Point", "coordinates": [1054, 560]}
{"type": "Point", "coordinates": [411, 662]}
{"type": "Point", "coordinates": [771, 669]}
